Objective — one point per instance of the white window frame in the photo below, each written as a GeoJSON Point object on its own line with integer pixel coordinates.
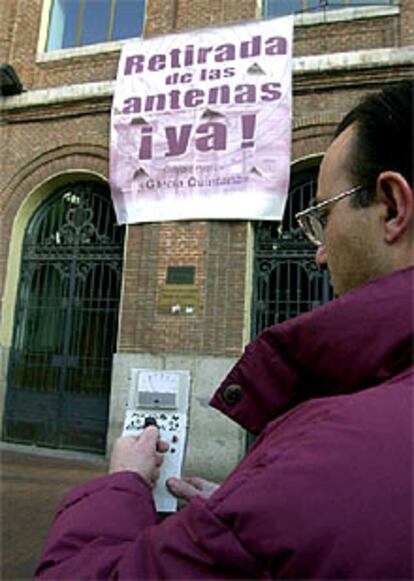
{"type": "Point", "coordinates": [45, 19]}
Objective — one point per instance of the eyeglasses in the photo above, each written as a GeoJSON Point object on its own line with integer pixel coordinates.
{"type": "Point", "coordinates": [313, 222]}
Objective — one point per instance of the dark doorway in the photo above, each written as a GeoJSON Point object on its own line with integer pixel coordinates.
{"type": "Point", "coordinates": [66, 322]}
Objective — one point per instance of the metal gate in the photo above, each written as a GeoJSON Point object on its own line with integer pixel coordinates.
{"type": "Point", "coordinates": [66, 322]}
{"type": "Point", "coordinates": [286, 280]}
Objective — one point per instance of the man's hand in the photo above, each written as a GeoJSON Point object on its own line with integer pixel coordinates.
{"type": "Point", "coordinates": [192, 486]}
{"type": "Point", "coordinates": [142, 454]}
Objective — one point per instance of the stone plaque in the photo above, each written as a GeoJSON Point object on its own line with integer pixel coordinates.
{"type": "Point", "coordinates": [180, 274]}
{"type": "Point", "coordinates": [179, 300]}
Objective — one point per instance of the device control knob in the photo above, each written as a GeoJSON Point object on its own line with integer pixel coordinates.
{"type": "Point", "coordinates": [150, 421]}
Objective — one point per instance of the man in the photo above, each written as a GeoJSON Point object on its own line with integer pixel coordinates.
{"type": "Point", "coordinates": [326, 491]}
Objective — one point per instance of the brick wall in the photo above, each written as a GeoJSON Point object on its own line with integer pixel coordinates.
{"type": "Point", "coordinates": [76, 70]}
{"type": "Point", "coordinates": [407, 23]}
{"type": "Point", "coordinates": [218, 252]}
{"type": "Point", "coordinates": [360, 34]}
{"type": "Point", "coordinates": [20, 24]}
{"type": "Point", "coordinates": [40, 142]}
{"type": "Point", "coordinates": [37, 150]}
{"type": "Point", "coordinates": [24, 22]}
{"type": "Point", "coordinates": [7, 21]}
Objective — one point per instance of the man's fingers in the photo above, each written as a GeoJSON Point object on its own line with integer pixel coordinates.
{"type": "Point", "coordinates": [206, 487]}
{"type": "Point", "coordinates": [181, 488]}
{"type": "Point", "coordinates": [197, 482]}
{"type": "Point", "coordinates": [154, 477]}
{"type": "Point", "coordinates": [191, 486]}
{"type": "Point", "coordinates": [150, 435]}
{"type": "Point", "coordinates": [162, 446]}
{"type": "Point", "coordinates": [142, 454]}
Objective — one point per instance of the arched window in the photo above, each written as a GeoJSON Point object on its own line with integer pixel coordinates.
{"type": "Point", "coordinates": [286, 281]}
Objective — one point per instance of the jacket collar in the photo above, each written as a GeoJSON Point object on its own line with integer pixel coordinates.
{"type": "Point", "coordinates": [349, 344]}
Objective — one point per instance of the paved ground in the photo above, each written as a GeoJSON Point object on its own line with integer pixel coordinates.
{"type": "Point", "coordinates": [33, 482]}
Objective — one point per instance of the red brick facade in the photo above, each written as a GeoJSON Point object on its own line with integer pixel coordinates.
{"type": "Point", "coordinates": [43, 141]}
{"type": "Point", "coordinates": [218, 251]}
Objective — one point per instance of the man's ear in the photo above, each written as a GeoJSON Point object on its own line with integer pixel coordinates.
{"type": "Point", "coordinates": [395, 193]}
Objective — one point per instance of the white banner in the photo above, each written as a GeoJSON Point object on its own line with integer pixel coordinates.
{"type": "Point", "coordinates": [201, 124]}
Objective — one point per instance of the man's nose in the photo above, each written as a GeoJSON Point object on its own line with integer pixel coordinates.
{"type": "Point", "coordinates": [321, 258]}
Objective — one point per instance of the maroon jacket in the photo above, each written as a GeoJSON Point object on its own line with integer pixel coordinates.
{"type": "Point", "coordinates": [326, 491]}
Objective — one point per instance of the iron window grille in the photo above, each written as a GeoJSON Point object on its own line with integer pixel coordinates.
{"type": "Point", "coordinates": [286, 281]}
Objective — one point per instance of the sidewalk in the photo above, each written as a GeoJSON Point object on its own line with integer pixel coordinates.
{"type": "Point", "coordinates": [33, 482]}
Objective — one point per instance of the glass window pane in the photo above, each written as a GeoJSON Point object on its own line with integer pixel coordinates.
{"type": "Point", "coordinates": [63, 23]}
{"type": "Point", "coordinates": [362, 2]}
{"type": "Point", "coordinates": [95, 21]}
{"type": "Point", "coordinates": [317, 4]}
{"type": "Point", "coordinates": [314, 5]}
{"type": "Point", "coordinates": [281, 7]}
{"type": "Point", "coordinates": [129, 19]}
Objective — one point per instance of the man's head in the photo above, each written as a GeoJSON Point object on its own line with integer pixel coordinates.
{"type": "Point", "coordinates": [370, 232]}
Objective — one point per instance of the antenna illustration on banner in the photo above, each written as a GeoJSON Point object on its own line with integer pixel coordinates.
{"type": "Point", "coordinates": [255, 69]}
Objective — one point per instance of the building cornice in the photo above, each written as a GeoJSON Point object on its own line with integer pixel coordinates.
{"type": "Point", "coordinates": [347, 62]}
{"type": "Point", "coordinates": [354, 60]}
{"type": "Point", "coordinates": [345, 14]}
